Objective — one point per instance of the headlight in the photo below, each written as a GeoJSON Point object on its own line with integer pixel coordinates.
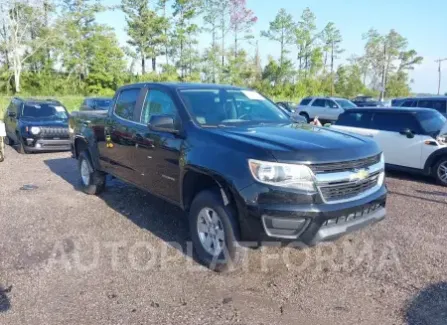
{"type": "Point", "coordinates": [283, 175]}
{"type": "Point", "coordinates": [35, 130]}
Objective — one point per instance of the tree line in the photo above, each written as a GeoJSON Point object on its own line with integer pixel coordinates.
{"type": "Point", "coordinates": [58, 47]}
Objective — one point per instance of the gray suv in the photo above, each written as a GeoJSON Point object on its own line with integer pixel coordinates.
{"type": "Point", "coordinates": [327, 109]}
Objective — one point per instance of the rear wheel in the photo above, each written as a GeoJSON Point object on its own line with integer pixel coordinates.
{"type": "Point", "coordinates": [214, 230]}
{"type": "Point", "coordinates": [440, 171]}
{"type": "Point", "coordinates": [92, 181]}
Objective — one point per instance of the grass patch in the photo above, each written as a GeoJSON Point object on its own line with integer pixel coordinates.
{"type": "Point", "coordinates": [72, 103]}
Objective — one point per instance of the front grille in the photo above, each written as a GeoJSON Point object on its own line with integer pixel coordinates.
{"type": "Point", "coordinates": [348, 190]}
{"type": "Point", "coordinates": [54, 132]}
{"type": "Point", "coordinates": [345, 166]}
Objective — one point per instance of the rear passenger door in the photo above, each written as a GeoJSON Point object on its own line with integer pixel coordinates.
{"type": "Point", "coordinates": [118, 150]}
{"type": "Point", "coordinates": [317, 108]}
{"type": "Point", "coordinates": [399, 149]}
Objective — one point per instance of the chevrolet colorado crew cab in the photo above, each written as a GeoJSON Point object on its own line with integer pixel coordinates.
{"type": "Point", "coordinates": [239, 167]}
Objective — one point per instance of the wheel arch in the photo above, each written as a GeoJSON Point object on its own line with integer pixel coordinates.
{"type": "Point", "coordinates": [81, 144]}
{"type": "Point", "coordinates": [196, 179]}
{"type": "Point", "coordinates": [433, 159]}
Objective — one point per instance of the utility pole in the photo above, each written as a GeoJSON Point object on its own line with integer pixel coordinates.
{"type": "Point", "coordinates": [439, 73]}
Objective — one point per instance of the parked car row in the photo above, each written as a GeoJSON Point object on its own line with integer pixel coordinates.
{"type": "Point", "coordinates": [239, 165]}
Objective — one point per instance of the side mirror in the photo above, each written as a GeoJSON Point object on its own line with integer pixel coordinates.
{"type": "Point", "coordinates": [12, 114]}
{"type": "Point", "coordinates": [162, 123]}
{"type": "Point", "coordinates": [298, 118]}
{"type": "Point", "coordinates": [408, 133]}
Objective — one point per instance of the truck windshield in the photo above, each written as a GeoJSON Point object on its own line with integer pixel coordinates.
{"type": "Point", "coordinates": [431, 122]}
{"type": "Point", "coordinates": [219, 107]}
{"type": "Point", "coordinates": [47, 111]}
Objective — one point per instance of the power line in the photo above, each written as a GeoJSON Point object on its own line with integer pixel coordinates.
{"type": "Point", "coordinates": [439, 61]}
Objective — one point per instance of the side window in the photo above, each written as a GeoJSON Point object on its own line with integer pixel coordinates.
{"type": "Point", "coordinates": [395, 122]}
{"type": "Point", "coordinates": [157, 103]}
{"type": "Point", "coordinates": [439, 105]}
{"type": "Point", "coordinates": [408, 103]}
{"type": "Point", "coordinates": [126, 103]}
{"type": "Point", "coordinates": [305, 101]}
{"type": "Point", "coordinates": [319, 103]}
{"type": "Point", "coordinates": [331, 104]}
{"type": "Point", "coordinates": [355, 119]}
{"type": "Point", "coordinates": [425, 103]}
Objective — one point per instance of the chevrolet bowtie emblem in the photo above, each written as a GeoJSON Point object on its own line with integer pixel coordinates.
{"type": "Point", "coordinates": [359, 175]}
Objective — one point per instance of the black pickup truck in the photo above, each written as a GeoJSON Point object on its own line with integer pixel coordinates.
{"type": "Point", "coordinates": [240, 168]}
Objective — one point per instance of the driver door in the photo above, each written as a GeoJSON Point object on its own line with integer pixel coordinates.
{"type": "Point", "coordinates": [159, 152]}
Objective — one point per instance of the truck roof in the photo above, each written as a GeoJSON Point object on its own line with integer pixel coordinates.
{"type": "Point", "coordinates": [183, 85]}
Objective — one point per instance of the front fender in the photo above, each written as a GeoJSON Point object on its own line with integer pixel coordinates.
{"type": "Point", "coordinates": [431, 160]}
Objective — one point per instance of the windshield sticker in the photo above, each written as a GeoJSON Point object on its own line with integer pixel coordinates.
{"type": "Point", "coordinates": [59, 109]}
{"type": "Point", "coordinates": [253, 95]}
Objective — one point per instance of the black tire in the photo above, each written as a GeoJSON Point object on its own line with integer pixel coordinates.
{"type": "Point", "coordinates": [211, 199]}
{"type": "Point", "coordinates": [2, 156]}
{"type": "Point", "coordinates": [9, 141]}
{"type": "Point", "coordinates": [439, 170]}
{"type": "Point", "coordinates": [306, 116]}
{"type": "Point", "coordinates": [96, 181]}
{"type": "Point", "coordinates": [21, 148]}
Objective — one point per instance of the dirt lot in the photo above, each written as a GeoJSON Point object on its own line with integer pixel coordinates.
{"type": "Point", "coordinates": [123, 258]}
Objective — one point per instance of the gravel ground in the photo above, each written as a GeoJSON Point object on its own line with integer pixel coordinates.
{"type": "Point", "coordinates": [122, 258]}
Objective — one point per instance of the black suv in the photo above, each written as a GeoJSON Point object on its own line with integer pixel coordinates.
{"type": "Point", "coordinates": [37, 125]}
{"type": "Point", "coordinates": [438, 103]}
{"type": "Point", "coordinates": [235, 163]}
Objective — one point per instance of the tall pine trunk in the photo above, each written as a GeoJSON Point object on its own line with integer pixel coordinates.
{"type": "Point", "coordinates": [154, 64]}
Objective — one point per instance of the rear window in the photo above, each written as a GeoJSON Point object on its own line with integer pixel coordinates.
{"type": "Point", "coordinates": [305, 101]}
{"type": "Point", "coordinates": [355, 119]}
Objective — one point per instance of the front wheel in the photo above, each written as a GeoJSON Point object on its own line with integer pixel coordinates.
{"type": "Point", "coordinates": [440, 171]}
{"type": "Point", "coordinates": [214, 230]}
{"type": "Point", "coordinates": [92, 181]}
{"type": "Point", "coordinates": [306, 116]}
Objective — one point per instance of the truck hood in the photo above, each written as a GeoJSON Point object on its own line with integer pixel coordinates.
{"type": "Point", "coordinates": [303, 142]}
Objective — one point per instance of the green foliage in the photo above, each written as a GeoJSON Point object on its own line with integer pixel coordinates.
{"type": "Point", "coordinates": [66, 51]}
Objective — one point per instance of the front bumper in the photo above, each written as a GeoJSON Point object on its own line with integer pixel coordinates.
{"type": "Point", "coordinates": [293, 217]}
{"type": "Point", "coordinates": [48, 145]}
